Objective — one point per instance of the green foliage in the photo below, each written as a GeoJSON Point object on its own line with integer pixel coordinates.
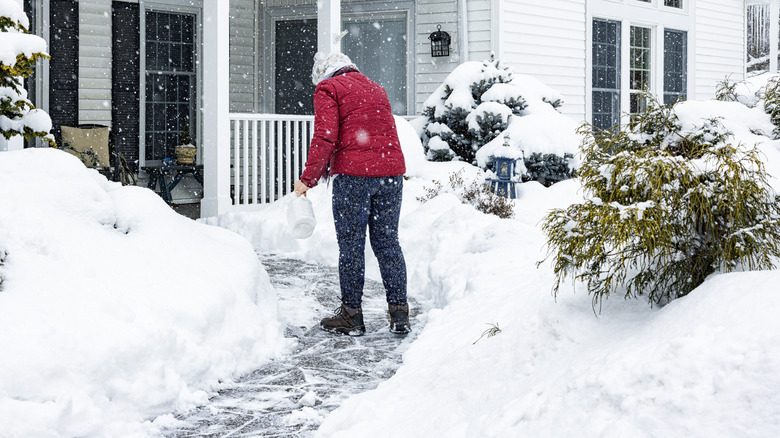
{"type": "Point", "coordinates": [771, 99]}
{"type": "Point", "coordinates": [726, 91]}
{"type": "Point", "coordinates": [13, 102]}
{"type": "Point", "coordinates": [475, 194]}
{"type": "Point", "coordinates": [492, 331]}
{"type": "Point", "coordinates": [547, 169]}
{"type": "Point", "coordinates": [185, 137]}
{"type": "Point", "coordinates": [664, 209]}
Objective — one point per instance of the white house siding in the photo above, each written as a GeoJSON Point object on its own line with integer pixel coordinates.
{"type": "Point", "coordinates": [720, 46]}
{"type": "Point", "coordinates": [95, 61]}
{"type": "Point", "coordinates": [243, 63]}
{"type": "Point", "coordinates": [479, 16]}
{"type": "Point", "coordinates": [547, 40]}
{"type": "Point", "coordinates": [430, 71]}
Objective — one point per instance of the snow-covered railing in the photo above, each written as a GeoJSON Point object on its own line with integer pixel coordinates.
{"type": "Point", "coordinates": [267, 153]}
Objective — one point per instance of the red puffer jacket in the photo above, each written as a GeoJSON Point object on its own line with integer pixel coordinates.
{"type": "Point", "coordinates": [354, 130]}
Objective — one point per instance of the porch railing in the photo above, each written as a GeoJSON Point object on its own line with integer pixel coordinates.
{"type": "Point", "coordinates": [268, 152]}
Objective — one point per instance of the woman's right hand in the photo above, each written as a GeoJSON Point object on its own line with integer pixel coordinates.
{"type": "Point", "coordinates": [300, 188]}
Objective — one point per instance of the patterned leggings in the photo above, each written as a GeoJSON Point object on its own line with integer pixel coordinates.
{"type": "Point", "coordinates": [374, 202]}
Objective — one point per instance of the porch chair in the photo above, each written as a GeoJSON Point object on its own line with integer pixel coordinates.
{"type": "Point", "coordinates": [93, 145]}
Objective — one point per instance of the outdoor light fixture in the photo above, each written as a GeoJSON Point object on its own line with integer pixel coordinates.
{"type": "Point", "coordinates": [440, 42]}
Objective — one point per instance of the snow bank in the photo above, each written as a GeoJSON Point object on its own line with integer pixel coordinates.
{"type": "Point", "coordinates": [113, 308]}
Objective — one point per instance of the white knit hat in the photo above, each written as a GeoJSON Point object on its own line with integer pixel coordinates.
{"type": "Point", "coordinates": [325, 64]}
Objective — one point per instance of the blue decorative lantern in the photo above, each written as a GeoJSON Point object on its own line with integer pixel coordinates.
{"type": "Point", "coordinates": [504, 168]}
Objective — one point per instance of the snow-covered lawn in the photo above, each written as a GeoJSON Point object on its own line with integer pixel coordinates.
{"type": "Point", "coordinates": [115, 311]}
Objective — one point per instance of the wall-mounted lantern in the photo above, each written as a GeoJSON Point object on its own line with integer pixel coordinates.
{"type": "Point", "coordinates": [440, 42]}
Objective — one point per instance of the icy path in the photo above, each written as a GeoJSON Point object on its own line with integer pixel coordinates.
{"type": "Point", "coordinates": [276, 399]}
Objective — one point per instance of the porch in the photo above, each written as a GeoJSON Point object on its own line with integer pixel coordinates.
{"type": "Point", "coordinates": [250, 159]}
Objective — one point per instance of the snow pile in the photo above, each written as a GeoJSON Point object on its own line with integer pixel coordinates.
{"type": "Point", "coordinates": [702, 366]}
{"type": "Point", "coordinates": [113, 308]}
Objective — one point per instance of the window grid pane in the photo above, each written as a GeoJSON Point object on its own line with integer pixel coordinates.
{"type": "Point", "coordinates": [673, 3]}
{"type": "Point", "coordinates": [170, 80]}
{"type": "Point", "coordinates": [675, 65]}
{"type": "Point", "coordinates": [606, 74]}
{"type": "Point", "coordinates": [639, 70]}
{"type": "Point", "coordinates": [378, 47]}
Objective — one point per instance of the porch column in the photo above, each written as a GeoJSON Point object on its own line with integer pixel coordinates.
{"type": "Point", "coordinates": [215, 115]}
{"type": "Point", "coordinates": [15, 143]}
{"type": "Point", "coordinates": [328, 25]}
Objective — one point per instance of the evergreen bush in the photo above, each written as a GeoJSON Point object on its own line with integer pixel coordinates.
{"type": "Point", "coordinates": [547, 169]}
{"type": "Point", "coordinates": [664, 209]}
{"type": "Point", "coordinates": [471, 119]}
{"type": "Point", "coordinates": [481, 102]}
{"type": "Point", "coordinates": [771, 99]}
{"type": "Point", "coordinates": [17, 113]}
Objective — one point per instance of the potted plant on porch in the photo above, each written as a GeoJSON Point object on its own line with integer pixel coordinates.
{"type": "Point", "coordinates": [185, 151]}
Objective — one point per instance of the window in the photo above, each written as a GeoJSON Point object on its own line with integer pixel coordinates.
{"type": "Point", "coordinates": [606, 73]}
{"type": "Point", "coordinates": [673, 3]}
{"type": "Point", "coordinates": [170, 81]}
{"type": "Point", "coordinates": [639, 69]}
{"type": "Point", "coordinates": [757, 38]}
{"type": "Point", "coordinates": [675, 65]}
{"type": "Point", "coordinates": [378, 48]}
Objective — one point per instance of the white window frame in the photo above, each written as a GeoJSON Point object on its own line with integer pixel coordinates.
{"type": "Point", "coordinates": [650, 15]}
{"type": "Point", "coordinates": [194, 7]}
{"type": "Point", "coordinates": [774, 32]}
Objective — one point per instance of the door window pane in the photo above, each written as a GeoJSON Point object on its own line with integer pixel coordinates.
{"type": "Point", "coordinates": [675, 65]}
{"type": "Point", "coordinates": [378, 48]}
{"type": "Point", "coordinates": [170, 81]}
{"type": "Point", "coordinates": [639, 70]}
{"type": "Point", "coordinates": [296, 44]}
{"type": "Point", "coordinates": [606, 73]}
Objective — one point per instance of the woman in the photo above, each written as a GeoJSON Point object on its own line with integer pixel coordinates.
{"type": "Point", "coordinates": [355, 140]}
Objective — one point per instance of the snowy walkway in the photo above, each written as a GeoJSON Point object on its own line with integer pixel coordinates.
{"type": "Point", "coordinates": [273, 401]}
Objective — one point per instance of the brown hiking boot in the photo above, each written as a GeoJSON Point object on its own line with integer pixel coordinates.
{"type": "Point", "coordinates": [347, 321]}
{"type": "Point", "coordinates": [399, 319]}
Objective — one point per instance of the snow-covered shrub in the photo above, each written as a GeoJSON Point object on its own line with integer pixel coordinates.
{"type": "Point", "coordinates": [726, 91]}
{"type": "Point", "coordinates": [472, 111]}
{"type": "Point", "coordinates": [18, 53]}
{"type": "Point", "coordinates": [475, 193]}
{"type": "Point", "coordinates": [665, 208]}
{"type": "Point", "coordinates": [480, 102]}
{"type": "Point", "coordinates": [771, 101]}
{"type": "Point", "coordinates": [547, 169]}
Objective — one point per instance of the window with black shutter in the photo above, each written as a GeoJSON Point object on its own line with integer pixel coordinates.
{"type": "Point", "coordinates": [64, 65]}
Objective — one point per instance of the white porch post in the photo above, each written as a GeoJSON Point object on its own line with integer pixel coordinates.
{"type": "Point", "coordinates": [215, 103]}
{"type": "Point", "coordinates": [15, 143]}
{"type": "Point", "coordinates": [328, 25]}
